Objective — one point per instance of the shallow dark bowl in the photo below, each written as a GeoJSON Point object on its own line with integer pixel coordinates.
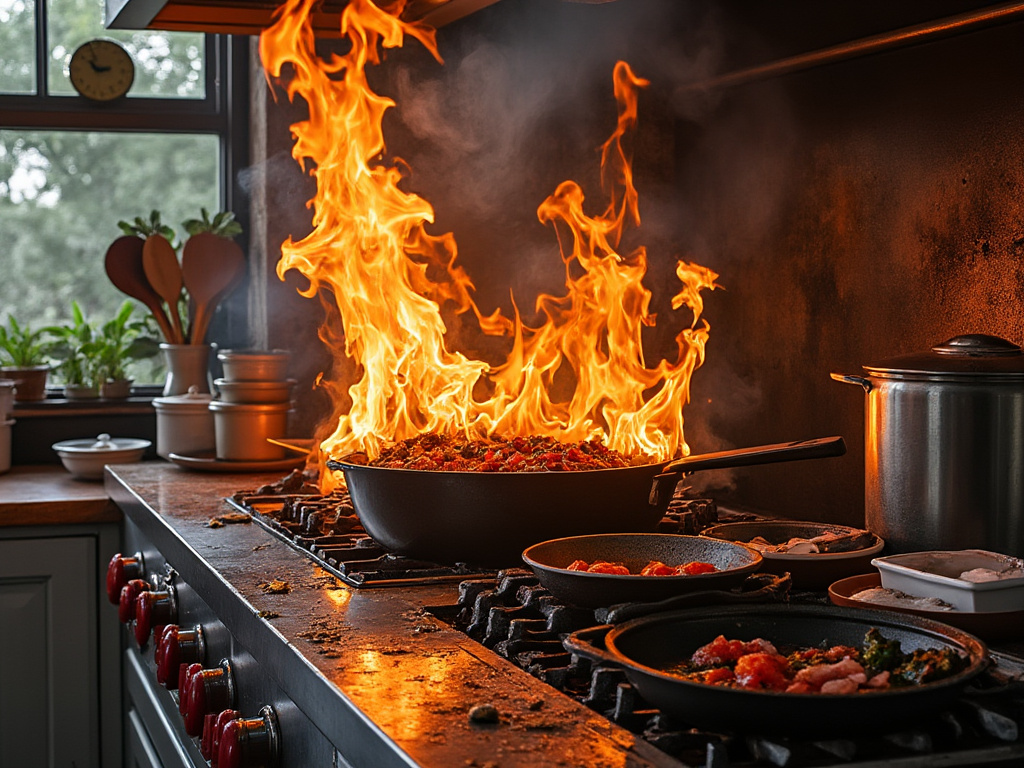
{"type": "Point", "coordinates": [810, 571]}
{"type": "Point", "coordinates": [550, 560]}
{"type": "Point", "coordinates": [991, 626]}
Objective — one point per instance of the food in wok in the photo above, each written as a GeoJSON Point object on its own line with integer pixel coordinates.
{"type": "Point", "coordinates": [877, 664]}
{"type": "Point", "coordinates": [448, 453]}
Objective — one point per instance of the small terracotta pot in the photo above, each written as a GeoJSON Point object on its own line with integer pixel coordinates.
{"type": "Point", "coordinates": [120, 389]}
{"type": "Point", "coordinates": [29, 383]}
{"type": "Point", "coordinates": [81, 392]}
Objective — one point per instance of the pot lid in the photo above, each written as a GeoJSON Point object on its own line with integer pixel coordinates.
{"type": "Point", "coordinates": [103, 443]}
{"type": "Point", "coordinates": [969, 355]}
{"type": "Point", "coordinates": [191, 400]}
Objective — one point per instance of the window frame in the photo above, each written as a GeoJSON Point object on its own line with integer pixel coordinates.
{"type": "Point", "coordinates": [223, 111]}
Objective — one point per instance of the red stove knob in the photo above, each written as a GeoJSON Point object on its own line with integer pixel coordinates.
{"type": "Point", "coordinates": [185, 675]}
{"type": "Point", "coordinates": [120, 571]}
{"type": "Point", "coordinates": [253, 743]}
{"type": "Point", "coordinates": [126, 604]}
{"type": "Point", "coordinates": [212, 727]}
{"type": "Point", "coordinates": [175, 648]}
{"type": "Point", "coordinates": [209, 690]}
{"type": "Point", "coordinates": [152, 610]}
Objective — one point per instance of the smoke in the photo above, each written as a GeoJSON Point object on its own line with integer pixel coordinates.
{"type": "Point", "coordinates": [510, 115]}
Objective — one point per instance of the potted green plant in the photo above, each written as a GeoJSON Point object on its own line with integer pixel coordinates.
{"type": "Point", "coordinates": [119, 341]}
{"type": "Point", "coordinates": [76, 351]}
{"type": "Point", "coordinates": [23, 358]}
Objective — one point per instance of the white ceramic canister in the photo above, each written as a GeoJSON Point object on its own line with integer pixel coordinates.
{"type": "Point", "coordinates": [242, 430]}
{"type": "Point", "coordinates": [6, 398]}
{"type": "Point", "coordinates": [254, 365]}
{"type": "Point", "coordinates": [184, 424]}
{"type": "Point", "coordinates": [5, 445]}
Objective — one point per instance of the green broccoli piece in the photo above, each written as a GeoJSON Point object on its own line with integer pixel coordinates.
{"type": "Point", "coordinates": [881, 654]}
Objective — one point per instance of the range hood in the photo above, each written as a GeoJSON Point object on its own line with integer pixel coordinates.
{"type": "Point", "coordinates": [232, 17]}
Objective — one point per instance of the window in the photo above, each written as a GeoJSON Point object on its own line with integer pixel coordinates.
{"type": "Point", "coordinates": [70, 168]}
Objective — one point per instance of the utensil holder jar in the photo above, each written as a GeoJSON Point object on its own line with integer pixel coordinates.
{"type": "Point", "coordinates": [188, 365]}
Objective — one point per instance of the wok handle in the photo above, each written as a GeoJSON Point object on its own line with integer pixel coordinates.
{"type": "Point", "coordinates": [580, 643]}
{"type": "Point", "coordinates": [819, 448]}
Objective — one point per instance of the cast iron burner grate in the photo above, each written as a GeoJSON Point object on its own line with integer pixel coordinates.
{"type": "Point", "coordinates": [520, 620]}
{"type": "Point", "coordinates": [326, 529]}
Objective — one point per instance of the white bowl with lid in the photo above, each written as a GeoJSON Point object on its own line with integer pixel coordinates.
{"type": "Point", "coordinates": [184, 424]}
{"type": "Point", "coordinates": [86, 458]}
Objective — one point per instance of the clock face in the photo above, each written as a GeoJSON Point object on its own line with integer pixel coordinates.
{"type": "Point", "coordinates": [101, 70]}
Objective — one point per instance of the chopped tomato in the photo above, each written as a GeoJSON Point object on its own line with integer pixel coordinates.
{"type": "Point", "coordinates": [617, 569]}
{"type": "Point", "coordinates": [722, 651]}
{"type": "Point", "coordinates": [762, 671]}
{"type": "Point", "coordinates": [718, 675]}
{"type": "Point", "coordinates": [695, 567]}
{"type": "Point", "coordinates": [655, 568]}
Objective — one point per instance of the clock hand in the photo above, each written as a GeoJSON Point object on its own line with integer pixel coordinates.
{"type": "Point", "coordinates": [97, 68]}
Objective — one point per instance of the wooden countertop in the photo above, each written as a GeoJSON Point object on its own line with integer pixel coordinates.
{"type": "Point", "coordinates": [45, 494]}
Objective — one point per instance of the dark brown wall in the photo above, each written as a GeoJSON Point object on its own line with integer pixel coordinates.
{"type": "Point", "coordinates": [853, 211]}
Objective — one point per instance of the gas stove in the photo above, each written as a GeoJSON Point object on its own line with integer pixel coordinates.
{"type": "Point", "coordinates": [333, 664]}
{"type": "Point", "coordinates": [326, 529]}
{"type": "Point", "coordinates": [517, 618]}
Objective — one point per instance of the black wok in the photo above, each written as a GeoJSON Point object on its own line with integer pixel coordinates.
{"type": "Point", "coordinates": [647, 646]}
{"type": "Point", "coordinates": [489, 518]}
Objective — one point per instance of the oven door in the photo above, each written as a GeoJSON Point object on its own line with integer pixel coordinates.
{"type": "Point", "coordinates": [151, 740]}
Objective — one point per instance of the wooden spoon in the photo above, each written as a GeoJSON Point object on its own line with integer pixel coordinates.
{"type": "Point", "coordinates": [160, 263]}
{"type": "Point", "coordinates": [124, 268]}
{"type": "Point", "coordinates": [211, 265]}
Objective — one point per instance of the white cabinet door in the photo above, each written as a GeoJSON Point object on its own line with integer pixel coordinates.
{"type": "Point", "coordinates": [49, 687]}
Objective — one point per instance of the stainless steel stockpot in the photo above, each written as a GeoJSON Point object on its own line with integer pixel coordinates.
{"type": "Point", "coordinates": [944, 446]}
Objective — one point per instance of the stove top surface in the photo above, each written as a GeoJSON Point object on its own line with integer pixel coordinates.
{"type": "Point", "coordinates": [481, 638]}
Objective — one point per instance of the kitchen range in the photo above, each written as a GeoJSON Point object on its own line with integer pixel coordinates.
{"type": "Point", "coordinates": [309, 645]}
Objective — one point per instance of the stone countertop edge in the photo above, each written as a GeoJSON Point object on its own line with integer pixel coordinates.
{"type": "Point", "coordinates": [45, 494]}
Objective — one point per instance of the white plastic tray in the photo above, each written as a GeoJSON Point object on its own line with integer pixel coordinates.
{"type": "Point", "coordinates": [936, 574]}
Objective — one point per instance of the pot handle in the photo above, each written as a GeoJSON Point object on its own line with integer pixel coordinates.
{"type": "Point", "coordinates": [849, 378]}
{"type": "Point", "coordinates": [584, 642]}
{"type": "Point", "coordinates": [819, 448]}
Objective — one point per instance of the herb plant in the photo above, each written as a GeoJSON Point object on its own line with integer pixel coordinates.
{"type": "Point", "coordinates": [22, 346]}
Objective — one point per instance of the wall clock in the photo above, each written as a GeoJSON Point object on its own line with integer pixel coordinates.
{"type": "Point", "coordinates": [101, 70]}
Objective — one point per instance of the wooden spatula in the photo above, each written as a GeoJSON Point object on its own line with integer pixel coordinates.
{"type": "Point", "coordinates": [160, 263]}
{"type": "Point", "coordinates": [211, 265]}
{"type": "Point", "coordinates": [123, 263]}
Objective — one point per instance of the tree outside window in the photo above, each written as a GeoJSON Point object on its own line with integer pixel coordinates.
{"type": "Point", "coordinates": [70, 169]}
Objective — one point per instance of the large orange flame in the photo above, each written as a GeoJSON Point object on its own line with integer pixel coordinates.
{"type": "Point", "coordinates": [384, 279]}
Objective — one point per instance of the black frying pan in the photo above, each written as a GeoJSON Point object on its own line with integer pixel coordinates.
{"type": "Point", "coordinates": [647, 646]}
{"type": "Point", "coordinates": [489, 518]}
{"type": "Point", "coordinates": [550, 560]}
